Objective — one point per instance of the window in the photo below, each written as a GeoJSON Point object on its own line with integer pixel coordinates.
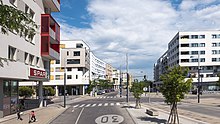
{"type": "Point", "coordinates": [37, 61]}
{"type": "Point", "coordinates": [202, 52]}
{"type": "Point", "coordinates": [184, 37]}
{"type": "Point", "coordinates": [26, 58]}
{"type": "Point", "coordinates": [11, 53]}
{"type": "Point", "coordinates": [185, 53]}
{"type": "Point", "coordinates": [194, 60]}
{"type": "Point", "coordinates": [184, 60]}
{"type": "Point", "coordinates": [12, 1]}
{"type": "Point", "coordinates": [69, 76]}
{"type": "Point", "coordinates": [51, 69]}
{"type": "Point", "coordinates": [76, 76]}
{"type": "Point", "coordinates": [214, 59]}
{"type": "Point", "coordinates": [214, 44]}
{"type": "Point", "coordinates": [194, 52]}
{"type": "Point", "coordinates": [184, 45]}
{"type": "Point", "coordinates": [79, 45]}
{"type": "Point", "coordinates": [57, 61]}
{"type": "Point", "coordinates": [14, 88]}
{"type": "Point", "coordinates": [31, 59]}
{"type": "Point", "coordinates": [57, 77]}
{"type": "Point", "coordinates": [194, 44]}
{"type": "Point", "coordinates": [6, 88]}
{"type": "Point", "coordinates": [69, 69]}
{"type": "Point", "coordinates": [76, 53]}
{"type": "Point", "coordinates": [202, 44]}
{"type": "Point", "coordinates": [194, 37]}
{"type": "Point", "coordinates": [202, 60]}
{"type": "Point", "coordinates": [73, 61]}
{"type": "Point", "coordinates": [32, 13]}
{"type": "Point", "coordinates": [214, 51]}
{"type": "Point", "coordinates": [201, 36]}
{"type": "Point", "coordinates": [57, 69]}
{"type": "Point", "coordinates": [26, 8]}
{"type": "Point", "coordinates": [51, 77]}
{"type": "Point", "coordinates": [214, 36]}
{"type": "Point", "coordinates": [67, 53]}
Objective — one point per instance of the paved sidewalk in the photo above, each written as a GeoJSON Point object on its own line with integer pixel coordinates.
{"type": "Point", "coordinates": [140, 116]}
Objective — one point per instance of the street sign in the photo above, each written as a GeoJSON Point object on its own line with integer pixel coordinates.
{"type": "Point", "coordinates": [145, 89]}
{"type": "Point", "coordinates": [109, 119]}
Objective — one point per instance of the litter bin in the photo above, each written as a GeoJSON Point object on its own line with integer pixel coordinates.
{"type": "Point", "coordinates": [45, 103]}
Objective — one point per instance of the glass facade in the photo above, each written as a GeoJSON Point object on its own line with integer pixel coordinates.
{"type": "Point", "coordinates": [10, 93]}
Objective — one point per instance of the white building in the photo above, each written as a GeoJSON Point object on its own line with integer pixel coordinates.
{"type": "Point", "coordinates": [27, 59]}
{"type": "Point", "coordinates": [116, 78]}
{"type": "Point", "coordinates": [193, 49]}
{"type": "Point", "coordinates": [97, 68]}
{"type": "Point", "coordinates": [75, 58]}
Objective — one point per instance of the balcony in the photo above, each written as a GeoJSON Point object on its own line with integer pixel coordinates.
{"type": "Point", "coordinates": [50, 37]}
{"type": "Point", "coordinates": [54, 5]}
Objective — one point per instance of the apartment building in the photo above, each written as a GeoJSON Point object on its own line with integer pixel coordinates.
{"type": "Point", "coordinates": [97, 68]}
{"type": "Point", "coordinates": [116, 78]}
{"type": "Point", "coordinates": [109, 71]}
{"type": "Point", "coordinates": [75, 62]}
{"type": "Point", "coordinates": [196, 50]}
{"type": "Point", "coordinates": [28, 59]}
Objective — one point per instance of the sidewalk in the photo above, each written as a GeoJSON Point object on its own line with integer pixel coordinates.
{"type": "Point", "coordinates": [140, 117]}
{"type": "Point", "coordinates": [44, 115]}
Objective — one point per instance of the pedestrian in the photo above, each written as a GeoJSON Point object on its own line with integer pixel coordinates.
{"type": "Point", "coordinates": [33, 117]}
{"type": "Point", "coordinates": [19, 114]}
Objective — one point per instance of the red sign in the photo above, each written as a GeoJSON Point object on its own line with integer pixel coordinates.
{"type": "Point", "coordinates": [38, 73]}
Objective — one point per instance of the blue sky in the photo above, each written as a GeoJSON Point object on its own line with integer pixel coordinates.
{"type": "Point", "coordinates": [141, 28]}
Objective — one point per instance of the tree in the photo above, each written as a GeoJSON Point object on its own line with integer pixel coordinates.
{"type": "Point", "coordinates": [16, 21]}
{"type": "Point", "coordinates": [174, 87]}
{"type": "Point", "coordinates": [137, 90]}
{"type": "Point", "coordinates": [48, 91]}
{"type": "Point", "coordinates": [25, 91]}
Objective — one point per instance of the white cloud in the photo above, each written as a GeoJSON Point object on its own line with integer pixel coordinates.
{"type": "Point", "coordinates": [141, 28]}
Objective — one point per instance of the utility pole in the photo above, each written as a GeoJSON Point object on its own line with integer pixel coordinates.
{"type": "Point", "coordinates": [198, 88]}
{"type": "Point", "coordinates": [64, 87]}
{"type": "Point", "coordinates": [120, 83]}
{"type": "Point", "coordinates": [127, 77]}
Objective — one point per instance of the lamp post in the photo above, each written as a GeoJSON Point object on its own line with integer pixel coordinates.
{"type": "Point", "coordinates": [198, 87]}
{"type": "Point", "coordinates": [64, 87]}
{"type": "Point", "coordinates": [127, 77]}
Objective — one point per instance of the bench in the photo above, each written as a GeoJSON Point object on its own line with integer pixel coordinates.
{"type": "Point", "coordinates": [152, 112]}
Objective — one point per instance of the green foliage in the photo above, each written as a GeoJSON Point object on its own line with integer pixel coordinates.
{"type": "Point", "coordinates": [174, 85]}
{"type": "Point", "coordinates": [49, 91]}
{"type": "Point", "coordinates": [137, 89]}
{"type": "Point", "coordinates": [25, 91]}
{"type": "Point", "coordinates": [16, 21]}
{"type": "Point", "coordinates": [218, 82]}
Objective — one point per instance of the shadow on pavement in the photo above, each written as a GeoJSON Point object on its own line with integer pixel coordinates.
{"type": "Point", "coordinates": [152, 119]}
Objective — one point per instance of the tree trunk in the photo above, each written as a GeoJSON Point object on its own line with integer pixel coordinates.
{"type": "Point", "coordinates": [138, 105]}
{"type": "Point", "coordinates": [173, 117]}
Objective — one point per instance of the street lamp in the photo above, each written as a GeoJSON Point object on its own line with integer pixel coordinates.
{"type": "Point", "coordinates": [64, 87]}
{"type": "Point", "coordinates": [127, 77]}
{"type": "Point", "coordinates": [198, 87]}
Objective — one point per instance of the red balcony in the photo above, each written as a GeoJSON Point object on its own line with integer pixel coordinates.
{"type": "Point", "coordinates": [50, 37]}
{"type": "Point", "coordinates": [54, 5]}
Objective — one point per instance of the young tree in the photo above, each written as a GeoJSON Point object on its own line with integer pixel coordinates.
{"type": "Point", "coordinates": [16, 21]}
{"type": "Point", "coordinates": [25, 91]}
{"type": "Point", "coordinates": [174, 87]}
{"type": "Point", "coordinates": [137, 90]}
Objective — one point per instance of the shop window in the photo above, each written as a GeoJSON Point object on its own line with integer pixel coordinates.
{"type": "Point", "coordinates": [6, 88]}
{"type": "Point", "coordinates": [14, 88]}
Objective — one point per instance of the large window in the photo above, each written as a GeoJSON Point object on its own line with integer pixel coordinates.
{"type": "Point", "coordinates": [69, 76]}
{"type": "Point", "coordinates": [73, 61]}
{"type": "Point", "coordinates": [14, 88]}
{"type": "Point", "coordinates": [6, 88]}
{"type": "Point", "coordinates": [194, 44]}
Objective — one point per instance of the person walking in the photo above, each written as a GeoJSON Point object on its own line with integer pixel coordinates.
{"type": "Point", "coordinates": [19, 114]}
{"type": "Point", "coordinates": [33, 117]}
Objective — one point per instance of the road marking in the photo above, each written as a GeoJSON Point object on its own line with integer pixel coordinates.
{"type": "Point", "coordinates": [109, 119]}
{"type": "Point", "coordinates": [112, 104]}
{"type": "Point", "coordinates": [117, 103]}
{"type": "Point", "coordinates": [106, 104]}
{"type": "Point", "coordinates": [75, 106]}
{"type": "Point", "coordinates": [82, 105]}
{"type": "Point", "coordinates": [88, 105]}
{"type": "Point", "coordinates": [79, 116]}
{"type": "Point", "coordinates": [107, 97]}
{"type": "Point", "coordinates": [93, 105]}
{"type": "Point", "coordinates": [100, 104]}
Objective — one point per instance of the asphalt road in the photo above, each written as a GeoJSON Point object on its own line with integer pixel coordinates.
{"type": "Point", "coordinates": [106, 109]}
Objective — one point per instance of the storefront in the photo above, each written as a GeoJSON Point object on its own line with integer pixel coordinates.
{"type": "Point", "coordinates": [9, 97]}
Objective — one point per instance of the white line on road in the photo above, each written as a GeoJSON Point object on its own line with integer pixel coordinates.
{"type": "Point", "coordinates": [106, 104]}
{"type": "Point", "coordinates": [75, 106]}
{"type": "Point", "coordinates": [82, 105]}
{"type": "Point", "coordinates": [117, 103]}
{"type": "Point", "coordinates": [79, 116]}
{"type": "Point", "coordinates": [112, 104]}
{"type": "Point", "coordinates": [93, 105]}
{"type": "Point", "coordinates": [88, 105]}
{"type": "Point", "coordinates": [100, 104]}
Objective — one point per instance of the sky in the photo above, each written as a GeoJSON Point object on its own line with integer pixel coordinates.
{"type": "Point", "coordinates": [140, 28]}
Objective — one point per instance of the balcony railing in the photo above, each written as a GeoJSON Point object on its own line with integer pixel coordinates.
{"type": "Point", "coordinates": [54, 5]}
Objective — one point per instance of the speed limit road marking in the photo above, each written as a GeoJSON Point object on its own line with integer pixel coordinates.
{"type": "Point", "coordinates": [109, 119]}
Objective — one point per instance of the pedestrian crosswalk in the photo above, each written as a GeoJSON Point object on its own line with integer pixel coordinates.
{"type": "Point", "coordinates": [106, 97]}
{"type": "Point", "coordinates": [96, 104]}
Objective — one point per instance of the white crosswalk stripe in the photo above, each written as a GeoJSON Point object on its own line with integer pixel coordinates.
{"type": "Point", "coordinates": [100, 104]}
{"type": "Point", "coordinates": [112, 104]}
{"type": "Point", "coordinates": [106, 104]}
{"type": "Point", "coordinates": [117, 103]}
{"type": "Point", "coordinates": [88, 105]}
{"type": "Point", "coordinates": [106, 97]}
{"type": "Point", "coordinates": [76, 106]}
{"type": "Point", "coordinates": [82, 105]}
{"type": "Point", "coordinates": [93, 105]}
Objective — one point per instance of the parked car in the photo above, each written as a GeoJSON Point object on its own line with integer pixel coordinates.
{"type": "Point", "coordinates": [195, 92]}
{"type": "Point", "coordinates": [99, 92]}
